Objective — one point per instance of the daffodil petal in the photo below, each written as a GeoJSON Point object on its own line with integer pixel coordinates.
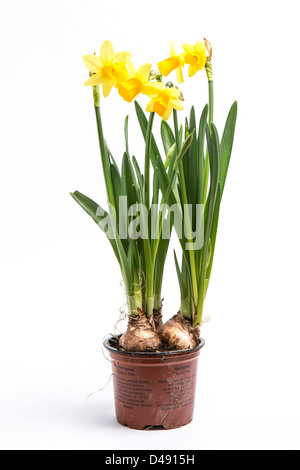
{"type": "Point", "coordinates": [119, 72]}
{"type": "Point", "coordinates": [168, 65]}
{"type": "Point", "coordinates": [152, 89]}
{"type": "Point", "coordinates": [92, 62]}
{"type": "Point", "coordinates": [188, 48]}
{"type": "Point", "coordinates": [107, 86]}
{"type": "Point", "coordinates": [176, 104]}
{"type": "Point", "coordinates": [193, 68]}
{"type": "Point", "coordinates": [121, 56]}
{"type": "Point", "coordinates": [130, 89]}
{"type": "Point", "coordinates": [172, 50]}
{"type": "Point", "coordinates": [200, 47]}
{"type": "Point", "coordinates": [95, 79]}
{"type": "Point", "coordinates": [188, 58]}
{"type": "Point", "coordinates": [144, 72]}
{"type": "Point", "coordinates": [179, 75]}
{"type": "Point", "coordinates": [181, 59]}
{"type": "Point", "coordinates": [167, 112]}
{"type": "Point", "coordinates": [107, 52]}
{"type": "Point", "coordinates": [150, 106]}
{"type": "Point", "coordinates": [173, 92]}
{"type": "Point", "coordinates": [131, 68]}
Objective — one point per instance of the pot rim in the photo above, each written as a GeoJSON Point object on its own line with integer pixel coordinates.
{"type": "Point", "coordinates": [153, 354]}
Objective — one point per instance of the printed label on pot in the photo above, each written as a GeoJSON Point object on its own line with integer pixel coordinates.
{"type": "Point", "coordinates": [131, 392]}
{"type": "Point", "coordinates": [180, 390]}
{"type": "Point", "coordinates": [172, 390]}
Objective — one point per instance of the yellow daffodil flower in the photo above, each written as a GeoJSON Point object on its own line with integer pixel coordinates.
{"type": "Point", "coordinates": [175, 62]}
{"type": "Point", "coordinates": [106, 68]}
{"type": "Point", "coordinates": [163, 99]}
{"type": "Point", "coordinates": [135, 83]}
{"type": "Point", "coordinates": [195, 56]}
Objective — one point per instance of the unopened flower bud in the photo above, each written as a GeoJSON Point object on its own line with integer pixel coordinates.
{"type": "Point", "coordinates": [208, 66]}
{"type": "Point", "coordinates": [180, 97]}
{"type": "Point", "coordinates": [155, 75]}
{"type": "Point", "coordinates": [169, 85]}
{"type": "Point", "coordinates": [208, 48]}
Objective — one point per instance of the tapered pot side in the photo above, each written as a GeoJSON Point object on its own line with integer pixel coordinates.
{"type": "Point", "coordinates": [154, 390]}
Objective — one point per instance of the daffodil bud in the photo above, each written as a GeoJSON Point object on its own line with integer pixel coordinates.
{"type": "Point", "coordinates": [208, 66]}
{"type": "Point", "coordinates": [155, 75]}
{"type": "Point", "coordinates": [208, 48]}
{"type": "Point", "coordinates": [186, 131]}
{"type": "Point", "coordinates": [169, 85]}
{"type": "Point", "coordinates": [180, 97]}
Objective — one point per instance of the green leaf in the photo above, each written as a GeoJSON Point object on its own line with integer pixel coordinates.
{"type": "Point", "coordinates": [170, 156]}
{"type": "Point", "coordinates": [138, 175]}
{"type": "Point", "coordinates": [181, 280]}
{"type": "Point", "coordinates": [155, 198]}
{"type": "Point", "coordinates": [201, 155]}
{"type": "Point", "coordinates": [104, 158]}
{"type": "Point", "coordinates": [160, 265]}
{"type": "Point", "coordinates": [180, 133]}
{"type": "Point", "coordinates": [129, 185]}
{"type": "Point", "coordinates": [156, 159]}
{"type": "Point", "coordinates": [117, 186]}
{"type": "Point", "coordinates": [126, 134]}
{"type": "Point", "coordinates": [185, 146]}
{"type": "Point", "coordinates": [192, 185]}
{"type": "Point", "coordinates": [214, 160]}
{"type": "Point", "coordinates": [167, 136]}
{"type": "Point", "coordinates": [111, 158]}
{"type": "Point", "coordinates": [143, 121]}
{"type": "Point", "coordinates": [213, 234]}
{"type": "Point", "coordinates": [93, 210]}
{"type": "Point", "coordinates": [227, 143]}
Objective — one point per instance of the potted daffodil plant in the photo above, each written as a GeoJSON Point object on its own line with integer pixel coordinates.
{"type": "Point", "coordinates": [180, 190]}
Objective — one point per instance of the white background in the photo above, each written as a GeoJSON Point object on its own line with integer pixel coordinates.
{"type": "Point", "coordinates": [60, 291]}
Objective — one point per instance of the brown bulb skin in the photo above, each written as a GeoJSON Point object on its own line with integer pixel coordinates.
{"type": "Point", "coordinates": [178, 333]}
{"type": "Point", "coordinates": [140, 335]}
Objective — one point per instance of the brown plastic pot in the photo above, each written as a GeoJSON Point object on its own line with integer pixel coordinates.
{"type": "Point", "coordinates": [154, 390]}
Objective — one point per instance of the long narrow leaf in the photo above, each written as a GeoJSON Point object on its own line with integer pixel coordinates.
{"type": "Point", "coordinates": [227, 143]}
{"type": "Point", "coordinates": [181, 279]}
{"type": "Point", "coordinates": [93, 209]}
{"type": "Point", "coordinates": [138, 175]}
{"type": "Point", "coordinates": [126, 134]}
{"type": "Point", "coordinates": [213, 234]}
{"type": "Point", "coordinates": [214, 160]}
{"type": "Point", "coordinates": [167, 136]}
{"type": "Point", "coordinates": [143, 121]}
{"type": "Point", "coordinates": [117, 185]}
{"type": "Point", "coordinates": [201, 155]}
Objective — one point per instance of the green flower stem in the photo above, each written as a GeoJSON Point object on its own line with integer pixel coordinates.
{"type": "Point", "coordinates": [149, 268]}
{"type": "Point", "coordinates": [147, 161]}
{"type": "Point", "coordinates": [210, 120]}
{"type": "Point", "coordinates": [187, 218]}
{"type": "Point", "coordinates": [134, 299]}
{"type": "Point", "coordinates": [149, 259]}
{"type": "Point", "coordinates": [203, 257]}
{"type": "Point", "coordinates": [104, 156]}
